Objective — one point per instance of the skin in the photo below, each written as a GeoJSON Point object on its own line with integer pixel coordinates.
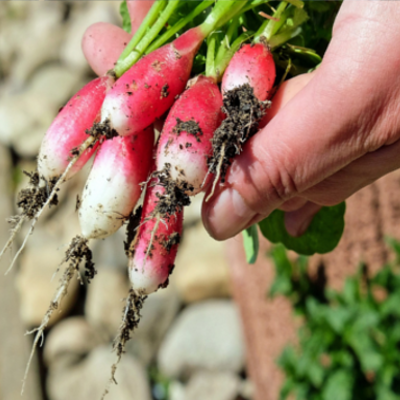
{"type": "Point", "coordinates": [329, 134]}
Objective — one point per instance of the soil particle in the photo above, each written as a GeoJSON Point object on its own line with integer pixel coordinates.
{"type": "Point", "coordinates": [170, 241]}
{"type": "Point", "coordinates": [78, 203]}
{"type": "Point", "coordinates": [244, 112]}
{"type": "Point", "coordinates": [102, 129]}
{"type": "Point", "coordinates": [175, 197]}
{"type": "Point", "coordinates": [133, 223]}
{"type": "Point", "coordinates": [32, 199]}
{"type": "Point", "coordinates": [164, 91]}
{"type": "Point", "coordinates": [191, 127]}
{"type": "Point", "coordinates": [156, 65]}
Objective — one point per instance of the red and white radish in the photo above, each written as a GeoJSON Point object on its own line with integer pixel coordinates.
{"type": "Point", "coordinates": [185, 141]}
{"type": "Point", "coordinates": [156, 243]}
{"type": "Point", "coordinates": [254, 65]}
{"type": "Point", "coordinates": [148, 89]}
{"type": "Point", "coordinates": [113, 187]}
{"type": "Point", "coordinates": [68, 130]}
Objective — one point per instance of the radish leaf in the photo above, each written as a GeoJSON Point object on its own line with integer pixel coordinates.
{"type": "Point", "coordinates": [322, 235]}
{"type": "Point", "coordinates": [250, 242]}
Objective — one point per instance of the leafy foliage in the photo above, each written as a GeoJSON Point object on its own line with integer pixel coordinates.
{"type": "Point", "coordinates": [322, 235]}
{"type": "Point", "coordinates": [349, 344]}
{"type": "Point", "coordinates": [251, 244]}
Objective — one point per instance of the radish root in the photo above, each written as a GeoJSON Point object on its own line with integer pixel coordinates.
{"type": "Point", "coordinates": [77, 251]}
{"type": "Point", "coordinates": [130, 321]}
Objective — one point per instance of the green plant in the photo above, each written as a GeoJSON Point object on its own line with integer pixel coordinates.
{"type": "Point", "coordinates": [349, 342]}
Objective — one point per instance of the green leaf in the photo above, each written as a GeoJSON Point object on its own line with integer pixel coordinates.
{"type": "Point", "coordinates": [251, 244]}
{"type": "Point", "coordinates": [339, 386]}
{"type": "Point", "coordinates": [322, 235]}
{"type": "Point", "coordinates": [126, 19]}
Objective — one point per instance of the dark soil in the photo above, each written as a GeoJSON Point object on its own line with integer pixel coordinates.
{"type": "Point", "coordinates": [79, 251]}
{"type": "Point", "coordinates": [165, 91]}
{"type": "Point", "coordinates": [191, 127]}
{"type": "Point", "coordinates": [243, 114]}
{"type": "Point", "coordinates": [170, 241]}
{"type": "Point", "coordinates": [102, 129]}
{"type": "Point", "coordinates": [175, 197]}
{"type": "Point", "coordinates": [32, 199]}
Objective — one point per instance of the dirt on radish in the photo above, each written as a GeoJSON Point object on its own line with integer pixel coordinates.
{"type": "Point", "coordinates": [243, 113]}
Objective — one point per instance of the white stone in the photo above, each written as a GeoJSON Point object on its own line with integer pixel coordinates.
{"type": "Point", "coordinates": [205, 336]}
{"type": "Point", "coordinates": [89, 378]}
{"type": "Point", "coordinates": [213, 385]}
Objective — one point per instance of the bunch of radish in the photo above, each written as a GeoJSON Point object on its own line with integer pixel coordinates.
{"type": "Point", "coordinates": [206, 126]}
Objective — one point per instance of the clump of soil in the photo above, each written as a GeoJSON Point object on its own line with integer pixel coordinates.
{"type": "Point", "coordinates": [165, 91]}
{"type": "Point", "coordinates": [79, 251]}
{"type": "Point", "coordinates": [191, 127]}
{"type": "Point", "coordinates": [33, 198]}
{"type": "Point", "coordinates": [170, 241]}
{"type": "Point", "coordinates": [102, 129]}
{"type": "Point", "coordinates": [243, 113]}
{"type": "Point", "coordinates": [175, 196]}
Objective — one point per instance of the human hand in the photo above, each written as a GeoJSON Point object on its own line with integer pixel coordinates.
{"type": "Point", "coordinates": [103, 43]}
{"type": "Point", "coordinates": [330, 133]}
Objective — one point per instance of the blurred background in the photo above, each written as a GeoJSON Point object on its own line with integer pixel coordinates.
{"type": "Point", "coordinates": [222, 330]}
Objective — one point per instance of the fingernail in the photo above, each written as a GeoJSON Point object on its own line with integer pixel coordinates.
{"type": "Point", "coordinates": [227, 214]}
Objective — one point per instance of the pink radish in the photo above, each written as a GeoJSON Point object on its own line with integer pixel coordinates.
{"type": "Point", "coordinates": [113, 187]}
{"type": "Point", "coordinates": [68, 130]}
{"type": "Point", "coordinates": [154, 249]}
{"type": "Point", "coordinates": [254, 65]}
{"type": "Point", "coordinates": [65, 150]}
{"type": "Point", "coordinates": [149, 88]}
{"type": "Point", "coordinates": [185, 141]}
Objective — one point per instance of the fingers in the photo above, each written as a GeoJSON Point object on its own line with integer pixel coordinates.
{"type": "Point", "coordinates": [138, 10]}
{"type": "Point", "coordinates": [355, 176]}
{"type": "Point", "coordinates": [102, 44]}
{"type": "Point", "coordinates": [297, 222]}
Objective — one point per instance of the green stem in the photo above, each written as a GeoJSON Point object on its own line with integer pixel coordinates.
{"type": "Point", "coordinates": [139, 50]}
{"type": "Point", "coordinates": [178, 26]}
{"type": "Point", "coordinates": [225, 44]}
{"type": "Point", "coordinates": [222, 62]}
{"type": "Point", "coordinates": [280, 39]}
{"type": "Point", "coordinates": [149, 20]}
{"type": "Point", "coordinates": [223, 11]}
{"type": "Point", "coordinates": [270, 27]}
{"type": "Point", "coordinates": [253, 4]}
{"type": "Point", "coordinates": [210, 61]}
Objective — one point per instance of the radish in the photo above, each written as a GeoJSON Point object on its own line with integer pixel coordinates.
{"type": "Point", "coordinates": [253, 65]}
{"type": "Point", "coordinates": [148, 89]}
{"type": "Point", "coordinates": [68, 130]}
{"type": "Point", "coordinates": [109, 197]}
{"type": "Point", "coordinates": [113, 186]}
{"type": "Point", "coordinates": [153, 251]}
{"type": "Point", "coordinates": [246, 86]}
{"type": "Point", "coordinates": [65, 150]}
{"type": "Point", "coordinates": [185, 141]}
